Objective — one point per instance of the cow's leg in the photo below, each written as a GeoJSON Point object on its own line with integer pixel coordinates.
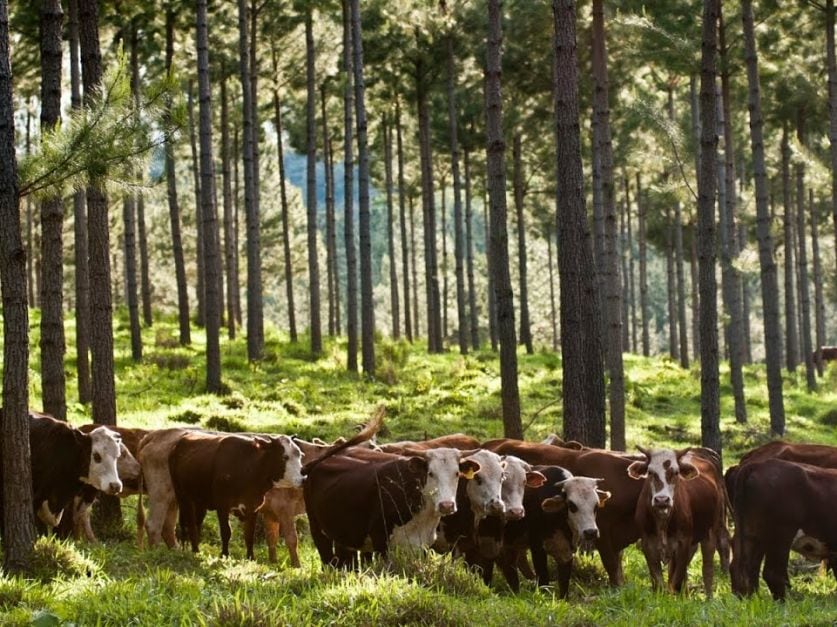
{"type": "Point", "coordinates": [189, 522]}
{"type": "Point", "coordinates": [612, 562]}
{"type": "Point", "coordinates": [565, 570]}
{"type": "Point", "coordinates": [509, 558]}
{"type": "Point", "coordinates": [723, 542]}
{"type": "Point", "coordinates": [166, 526]}
{"type": "Point", "coordinates": [271, 534]}
{"type": "Point", "coordinates": [325, 547]}
{"type": "Point", "coordinates": [776, 569]}
{"type": "Point", "coordinates": [653, 558]}
{"type": "Point", "coordinates": [288, 529]}
{"type": "Point", "coordinates": [539, 561]}
{"type": "Point", "coordinates": [250, 534]}
{"type": "Point", "coordinates": [225, 530]}
{"type": "Point", "coordinates": [707, 553]}
{"type": "Point", "coordinates": [746, 562]}
{"type": "Point", "coordinates": [679, 565]}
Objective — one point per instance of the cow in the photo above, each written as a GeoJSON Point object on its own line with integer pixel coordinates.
{"type": "Point", "coordinates": [560, 517]}
{"type": "Point", "coordinates": [455, 440]}
{"type": "Point", "coordinates": [617, 528]}
{"type": "Point", "coordinates": [368, 500]}
{"type": "Point", "coordinates": [65, 461]}
{"type": "Point", "coordinates": [129, 472]}
{"type": "Point", "coordinates": [829, 353]}
{"type": "Point", "coordinates": [775, 499]}
{"type": "Point", "coordinates": [682, 504]}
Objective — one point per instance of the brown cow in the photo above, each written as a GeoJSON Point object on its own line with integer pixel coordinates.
{"type": "Point", "coordinates": [455, 440]}
{"type": "Point", "coordinates": [682, 504]}
{"type": "Point", "coordinates": [774, 500]}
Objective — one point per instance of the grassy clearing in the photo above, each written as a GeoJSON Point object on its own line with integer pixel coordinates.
{"type": "Point", "coordinates": [114, 583]}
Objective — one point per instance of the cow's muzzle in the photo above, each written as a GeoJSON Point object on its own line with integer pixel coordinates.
{"type": "Point", "coordinates": [446, 508]}
{"type": "Point", "coordinates": [496, 507]}
{"type": "Point", "coordinates": [114, 487]}
{"type": "Point", "coordinates": [515, 513]}
{"type": "Point", "coordinates": [662, 503]}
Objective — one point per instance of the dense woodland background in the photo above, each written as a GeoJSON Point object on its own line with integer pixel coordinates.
{"type": "Point", "coordinates": [642, 178]}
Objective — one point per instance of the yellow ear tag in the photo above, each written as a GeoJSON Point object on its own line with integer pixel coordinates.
{"type": "Point", "coordinates": [468, 475]}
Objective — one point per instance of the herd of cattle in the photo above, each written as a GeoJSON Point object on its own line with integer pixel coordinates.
{"type": "Point", "coordinates": [490, 502]}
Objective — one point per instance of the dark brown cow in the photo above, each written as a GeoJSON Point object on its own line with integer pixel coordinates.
{"type": "Point", "coordinates": [775, 499]}
{"type": "Point", "coordinates": [829, 353]}
{"type": "Point", "coordinates": [617, 527]}
{"type": "Point", "coordinates": [682, 504]}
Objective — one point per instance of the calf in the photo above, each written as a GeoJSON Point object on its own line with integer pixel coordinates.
{"type": "Point", "coordinates": [775, 499]}
{"type": "Point", "coordinates": [367, 500]}
{"type": "Point", "coordinates": [681, 505]}
{"type": "Point", "coordinates": [560, 517]}
{"type": "Point", "coordinates": [65, 461]}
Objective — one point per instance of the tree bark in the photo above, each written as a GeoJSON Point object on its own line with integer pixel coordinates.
{"type": "Point", "coordinates": [82, 278]}
{"type": "Point", "coordinates": [311, 189]}
{"type": "Point", "coordinates": [331, 251]}
{"type": "Point", "coordinates": [631, 282]}
{"type": "Point", "coordinates": [492, 301]}
{"type": "Point", "coordinates": [499, 243]}
{"type": "Point", "coordinates": [819, 300]}
{"type": "Point", "coordinates": [414, 267]}
{"type": "Point", "coordinates": [832, 106]}
{"type": "Point", "coordinates": [473, 321]}
{"type": "Point", "coordinates": [237, 150]}
{"type": "Point", "coordinates": [30, 214]}
{"type": "Point", "coordinates": [791, 323]}
{"type": "Point", "coordinates": [693, 275]}
{"type": "Point", "coordinates": [212, 261]}
{"type": "Point", "coordinates": [643, 267]}
{"type": "Point", "coordinates": [583, 380]}
{"type": "Point", "coordinates": [553, 312]}
{"type": "Point", "coordinates": [255, 306]}
{"type": "Point", "coordinates": [671, 288]}
{"type": "Point", "coordinates": [18, 526]}
{"type": "Point", "coordinates": [710, 403]}
{"type": "Point", "coordinates": [200, 289]}
{"type": "Point", "coordinates": [769, 279]}
{"type": "Point", "coordinates": [52, 343]}
{"type": "Point", "coordinates": [682, 327]}
{"type": "Point", "coordinates": [443, 185]}
{"type": "Point", "coordinates": [745, 301]}
{"type": "Point", "coordinates": [386, 131]}
{"type": "Point", "coordinates": [523, 275]}
{"type": "Point", "coordinates": [402, 210]}
{"type": "Point", "coordinates": [226, 183]}
{"type": "Point", "coordinates": [131, 296]}
{"type": "Point", "coordinates": [802, 257]}
{"type": "Point", "coordinates": [624, 282]}
{"type": "Point", "coordinates": [348, 186]}
{"type": "Point", "coordinates": [254, 247]}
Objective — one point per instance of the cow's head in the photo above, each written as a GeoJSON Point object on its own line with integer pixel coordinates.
{"type": "Point", "coordinates": [444, 467]}
{"type": "Point", "coordinates": [518, 476]}
{"type": "Point", "coordinates": [485, 490]}
{"type": "Point", "coordinates": [662, 469]}
{"type": "Point", "coordinates": [290, 457]}
{"type": "Point", "coordinates": [127, 466]}
{"type": "Point", "coordinates": [581, 497]}
{"type": "Point", "coordinates": [105, 449]}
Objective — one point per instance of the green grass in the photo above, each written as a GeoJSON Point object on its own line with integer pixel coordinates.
{"type": "Point", "coordinates": [288, 392]}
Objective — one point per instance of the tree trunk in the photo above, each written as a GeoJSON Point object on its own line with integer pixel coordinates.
{"type": "Point", "coordinates": [229, 243]}
{"type": "Point", "coordinates": [237, 150]}
{"type": "Point", "coordinates": [643, 267]}
{"type": "Point", "coordinates": [17, 525]}
{"type": "Point", "coordinates": [499, 242]}
{"type": "Point", "coordinates": [402, 210]}
{"type": "Point", "coordinates": [414, 267]}
{"type": "Point", "coordinates": [331, 251]}
{"type": "Point", "coordinates": [434, 318]}
{"type": "Point", "coordinates": [193, 142]}
{"type": "Point", "coordinates": [129, 217]}
{"type": "Point", "coordinates": [631, 281]}
{"type": "Point", "coordinates": [730, 277]}
{"type": "Point", "coordinates": [819, 300]}
{"type": "Point", "coordinates": [286, 228]}
{"type": "Point", "coordinates": [583, 380]}
{"type": "Point", "coordinates": [745, 301]}
{"type": "Point", "coordinates": [832, 106]}
{"type": "Point", "coordinates": [311, 189]}
{"type": "Point", "coordinates": [805, 299]}
{"type": "Point", "coordinates": [492, 301]}
{"type": "Point", "coordinates": [623, 261]}
{"type": "Point", "coordinates": [682, 327]}
{"type": "Point", "coordinates": [254, 250]}
{"type": "Point", "coordinates": [333, 241]}
{"type": "Point", "coordinates": [255, 307]}
{"type": "Point", "coordinates": [30, 214]}
{"type": "Point", "coordinates": [458, 235]}
{"type": "Point", "coordinates": [791, 323]}
{"type": "Point", "coordinates": [82, 278]}
{"type": "Point", "coordinates": [553, 312]}
{"type": "Point", "coordinates": [52, 342]}
{"type": "Point", "coordinates": [393, 266]}
{"type": "Point", "coordinates": [348, 198]}
{"type": "Point", "coordinates": [443, 184]}
{"type": "Point", "coordinates": [769, 279]}
{"type": "Point", "coordinates": [473, 321]}
{"type": "Point", "coordinates": [174, 209]}
{"type": "Point", "coordinates": [710, 401]}
{"type": "Point", "coordinates": [523, 276]}
{"type": "Point", "coordinates": [693, 272]}
{"type": "Point", "coordinates": [671, 287]}
{"type": "Point", "coordinates": [212, 261]}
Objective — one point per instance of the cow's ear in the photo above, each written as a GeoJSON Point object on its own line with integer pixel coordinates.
{"type": "Point", "coordinates": [417, 465]}
{"type": "Point", "coordinates": [534, 479]}
{"type": "Point", "coordinates": [572, 444]}
{"type": "Point", "coordinates": [554, 504]}
{"type": "Point", "coordinates": [603, 495]}
{"type": "Point", "coordinates": [688, 472]}
{"type": "Point", "coordinates": [468, 468]}
{"type": "Point", "coordinates": [638, 470]}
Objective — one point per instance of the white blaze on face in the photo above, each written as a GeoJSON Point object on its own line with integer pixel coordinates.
{"type": "Point", "coordinates": [442, 478]}
{"type": "Point", "coordinates": [663, 470]}
{"type": "Point", "coordinates": [485, 489]}
{"type": "Point", "coordinates": [514, 485]}
{"type": "Point", "coordinates": [104, 452]}
{"type": "Point", "coordinates": [582, 498]}
{"type": "Point", "coordinates": [292, 477]}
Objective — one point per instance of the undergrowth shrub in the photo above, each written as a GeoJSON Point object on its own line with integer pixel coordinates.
{"type": "Point", "coordinates": [235, 400]}
{"type": "Point", "coordinates": [164, 338]}
{"type": "Point", "coordinates": [394, 356]}
{"type": "Point", "coordinates": [830, 417]}
{"type": "Point", "coordinates": [53, 557]}
{"type": "Point", "coordinates": [170, 361]}
{"type": "Point", "coordinates": [226, 424]}
{"type": "Point", "coordinates": [189, 416]}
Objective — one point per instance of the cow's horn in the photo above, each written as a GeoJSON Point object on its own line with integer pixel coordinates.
{"type": "Point", "coordinates": [644, 451]}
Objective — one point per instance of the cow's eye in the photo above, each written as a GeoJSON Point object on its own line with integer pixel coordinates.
{"type": "Point", "coordinates": [430, 473]}
{"type": "Point", "coordinates": [97, 458]}
{"type": "Point", "coordinates": [572, 506]}
{"type": "Point", "coordinates": [478, 480]}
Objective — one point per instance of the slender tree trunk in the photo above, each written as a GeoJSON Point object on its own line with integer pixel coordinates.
{"type": "Point", "coordinates": [331, 250]}
{"type": "Point", "coordinates": [82, 278]}
{"type": "Point", "coordinates": [671, 288]}
{"type": "Point", "coordinates": [348, 185]}
{"type": "Point", "coordinates": [229, 243]}
{"type": "Point", "coordinates": [129, 219]}
{"type": "Point", "coordinates": [769, 279]}
{"type": "Point", "coordinates": [583, 381]}
{"type": "Point", "coordinates": [333, 242]}
{"type": "Point", "coordinates": [631, 281]}
{"type": "Point", "coordinates": [553, 312]}
{"type": "Point", "coordinates": [805, 294]}
{"type": "Point", "coordinates": [201, 271]}
{"type": "Point", "coordinates": [819, 300]}
{"type": "Point", "coordinates": [473, 321]}
{"type": "Point", "coordinates": [682, 327]}
{"type": "Point", "coordinates": [499, 243]}
{"type": "Point", "coordinates": [832, 106]}
{"type": "Point", "coordinates": [416, 327]}
{"type": "Point", "coordinates": [710, 401]}
{"type": "Point", "coordinates": [212, 261]}
{"type": "Point", "coordinates": [623, 262]}
{"type": "Point", "coordinates": [17, 525]}
{"type": "Point", "coordinates": [598, 228]}
{"type": "Point", "coordinates": [443, 184]}
{"type": "Point", "coordinates": [254, 254]}
{"type": "Point", "coordinates": [523, 275]}
{"type": "Point", "coordinates": [643, 267]}
{"type": "Point", "coordinates": [791, 337]}
{"type": "Point", "coordinates": [458, 235]}
{"type": "Point", "coordinates": [30, 214]}
{"type": "Point", "coordinates": [393, 266]}
{"type": "Point", "coordinates": [492, 301]}
{"type": "Point", "coordinates": [367, 305]}
{"type": "Point", "coordinates": [745, 301]}
{"type": "Point", "coordinates": [730, 277]}
{"type": "Point", "coordinates": [402, 210]}
{"type": "Point", "coordinates": [52, 342]}
{"type": "Point", "coordinates": [693, 272]}
{"type": "Point", "coordinates": [237, 150]}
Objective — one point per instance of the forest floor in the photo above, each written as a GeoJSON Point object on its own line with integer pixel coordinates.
{"type": "Point", "coordinates": [425, 396]}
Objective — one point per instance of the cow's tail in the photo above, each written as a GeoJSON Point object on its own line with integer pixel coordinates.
{"type": "Point", "coordinates": [140, 515]}
{"type": "Point", "coordinates": [365, 434]}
